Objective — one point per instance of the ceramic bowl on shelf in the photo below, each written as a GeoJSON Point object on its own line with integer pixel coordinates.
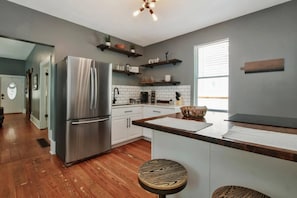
{"type": "Point", "coordinates": [120, 46]}
{"type": "Point", "coordinates": [193, 111]}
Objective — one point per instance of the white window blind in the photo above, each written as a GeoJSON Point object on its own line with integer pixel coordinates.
{"type": "Point", "coordinates": [213, 75]}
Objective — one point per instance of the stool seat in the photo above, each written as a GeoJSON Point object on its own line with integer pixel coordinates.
{"type": "Point", "coordinates": [162, 176]}
{"type": "Point", "coordinates": [237, 191]}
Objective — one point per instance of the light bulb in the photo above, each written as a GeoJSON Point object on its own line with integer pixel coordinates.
{"type": "Point", "coordinates": [152, 5]}
{"type": "Point", "coordinates": [155, 17]}
{"type": "Point", "coordinates": [136, 13]}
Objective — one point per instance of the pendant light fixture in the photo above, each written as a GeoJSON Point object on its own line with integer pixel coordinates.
{"type": "Point", "coordinates": [147, 4]}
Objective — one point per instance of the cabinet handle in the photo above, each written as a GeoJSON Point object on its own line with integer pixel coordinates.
{"type": "Point", "coordinates": [128, 111]}
{"type": "Point", "coordinates": [127, 122]}
{"type": "Point", "coordinates": [156, 111]}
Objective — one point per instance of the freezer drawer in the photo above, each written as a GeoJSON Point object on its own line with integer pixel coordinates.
{"type": "Point", "coordinates": [86, 138]}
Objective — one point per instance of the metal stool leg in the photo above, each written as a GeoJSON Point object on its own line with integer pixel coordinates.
{"type": "Point", "coordinates": [162, 196]}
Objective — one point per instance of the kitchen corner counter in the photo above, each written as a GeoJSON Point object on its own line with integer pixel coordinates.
{"type": "Point", "coordinates": [213, 161]}
{"type": "Point", "coordinates": [214, 134]}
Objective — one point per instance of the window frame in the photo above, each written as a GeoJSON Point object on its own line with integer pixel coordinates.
{"type": "Point", "coordinates": [196, 69]}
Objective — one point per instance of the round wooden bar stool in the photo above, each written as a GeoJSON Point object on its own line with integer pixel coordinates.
{"type": "Point", "coordinates": [162, 177]}
{"type": "Point", "coordinates": [237, 191]}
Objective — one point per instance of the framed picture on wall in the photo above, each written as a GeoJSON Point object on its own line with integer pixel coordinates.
{"type": "Point", "coordinates": [35, 82]}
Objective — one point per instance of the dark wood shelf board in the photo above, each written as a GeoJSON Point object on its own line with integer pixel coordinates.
{"type": "Point", "coordinates": [172, 61]}
{"type": "Point", "coordinates": [125, 72]}
{"type": "Point", "coordinates": [118, 50]}
{"type": "Point", "coordinates": [160, 83]}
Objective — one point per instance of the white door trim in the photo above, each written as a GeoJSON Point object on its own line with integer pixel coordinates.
{"type": "Point", "coordinates": [45, 66]}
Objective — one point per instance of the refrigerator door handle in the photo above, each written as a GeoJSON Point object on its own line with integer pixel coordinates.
{"type": "Point", "coordinates": [95, 86]}
{"type": "Point", "coordinates": [89, 121]}
{"type": "Point", "coordinates": [92, 87]}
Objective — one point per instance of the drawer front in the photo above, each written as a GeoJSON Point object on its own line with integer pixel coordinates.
{"type": "Point", "coordinates": [153, 111]}
{"type": "Point", "coordinates": [126, 111]}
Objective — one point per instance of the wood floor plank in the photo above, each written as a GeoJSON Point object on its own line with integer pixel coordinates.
{"type": "Point", "coordinates": [28, 170]}
{"type": "Point", "coordinates": [6, 188]}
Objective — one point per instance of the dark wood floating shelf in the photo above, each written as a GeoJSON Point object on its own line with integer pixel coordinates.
{"type": "Point", "coordinates": [118, 50]}
{"type": "Point", "coordinates": [172, 61]}
{"type": "Point", "coordinates": [125, 72]}
{"type": "Point", "coordinates": [163, 83]}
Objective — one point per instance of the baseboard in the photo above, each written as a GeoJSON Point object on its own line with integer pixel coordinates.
{"type": "Point", "coordinates": [146, 138]}
{"type": "Point", "coordinates": [53, 147]}
{"type": "Point", "coordinates": [129, 141]}
{"type": "Point", "coordinates": [125, 142]}
{"type": "Point", "coordinates": [35, 121]}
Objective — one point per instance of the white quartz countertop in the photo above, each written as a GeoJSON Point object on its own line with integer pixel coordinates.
{"type": "Point", "coordinates": [169, 106]}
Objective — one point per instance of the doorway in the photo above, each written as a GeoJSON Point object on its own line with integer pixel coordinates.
{"type": "Point", "coordinates": [28, 93]}
{"type": "Point", "coordinates": [12, 93]}
{"type": "Point", "coordinates": [45, 66]}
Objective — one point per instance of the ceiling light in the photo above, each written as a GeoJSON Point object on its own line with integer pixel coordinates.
{"type": "Point", "coordinates": [155, 18]}
{"type": "Point", "coordinates": [148, 4]}
{"type": "Point", "coordinates": [137, 12]}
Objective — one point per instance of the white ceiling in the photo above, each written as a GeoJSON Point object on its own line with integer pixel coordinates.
{"type": "Point", "coordinates": [14, 49]}
{"type": "Point", "coordinates": [176, 17]}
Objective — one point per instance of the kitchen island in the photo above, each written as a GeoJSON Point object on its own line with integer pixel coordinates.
{"type": "Point", "coordinates": [213, 161]}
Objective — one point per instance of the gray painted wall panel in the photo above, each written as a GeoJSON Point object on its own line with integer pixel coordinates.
{"type": "Point", "coordinates": [263, 35]}
{"type": "Point", "coordinates": [68, 38]}
{"type": "Point", "coordinates": [267, 34]}
{"type": "Point", "coordinates": [12, 67]}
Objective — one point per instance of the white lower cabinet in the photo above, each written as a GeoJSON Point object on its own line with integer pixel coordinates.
{"type": "Point", "coordinates": [156, 111]}
{"type": "Point", "coordinates": [122, 128]}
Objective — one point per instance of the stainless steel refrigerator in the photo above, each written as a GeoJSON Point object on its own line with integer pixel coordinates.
{"type": "Point", "coordinates": [83, 108]}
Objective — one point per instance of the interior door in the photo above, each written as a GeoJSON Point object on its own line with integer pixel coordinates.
{"type": "Point", "coordinates": [28, 93]}
{"type": "Point", "coordinates": [44, 93]}
{"type": "Point", "coordinates": [12, 94]}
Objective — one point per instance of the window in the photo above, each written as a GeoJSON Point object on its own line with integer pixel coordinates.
{"type": "Point", "coordinates": [11, 91]}
{"type": "Point", "coordinates": [212, 76]}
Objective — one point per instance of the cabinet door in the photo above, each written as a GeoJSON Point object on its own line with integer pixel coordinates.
{"type": "Point", "coordinates": [133, 130]}
{"type": "Point", "coordinates": [119, 130]}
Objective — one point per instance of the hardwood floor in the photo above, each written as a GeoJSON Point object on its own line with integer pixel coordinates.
{"type": "Point", "coordinates": [28, 170]}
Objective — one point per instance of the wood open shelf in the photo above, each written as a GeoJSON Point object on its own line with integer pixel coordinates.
{"type": "Point", "coordinates": [118, 50]}
{"type": "Point", "coordinates": [172, 61]}
{"type": "Point", "coordinates": [125, 72]}
{"type": "Point", "coordinates": [162, 83]}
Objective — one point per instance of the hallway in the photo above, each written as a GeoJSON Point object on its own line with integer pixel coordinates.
{"type": "Point", "coordinates": [28, 170]}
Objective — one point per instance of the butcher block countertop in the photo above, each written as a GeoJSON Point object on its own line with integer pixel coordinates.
{"type": "Point", "coordinates": [215, 131]}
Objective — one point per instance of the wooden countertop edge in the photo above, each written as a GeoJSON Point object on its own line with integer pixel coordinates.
{"type": "Point", "coordinates": [245, 146]}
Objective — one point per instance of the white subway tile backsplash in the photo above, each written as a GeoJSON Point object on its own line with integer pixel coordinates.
{"type": "Point", "coordinates": [162, 92]}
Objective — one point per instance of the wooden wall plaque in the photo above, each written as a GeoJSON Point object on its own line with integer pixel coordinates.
{"type": "Point", "coordinates": [264, 66]}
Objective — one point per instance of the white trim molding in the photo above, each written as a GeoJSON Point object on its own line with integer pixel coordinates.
{"type": "Point", "coordinates": [35, 121]}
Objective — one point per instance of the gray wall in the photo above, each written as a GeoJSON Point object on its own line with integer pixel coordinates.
{"type": "Point", "coordinates": [268, 34]}
{"type": "Point", "coordinates": [12, 67]}
{"type": "Point", "coordinates": [264, 35]}
{"type": "Point", "coordinates": [68, 38]}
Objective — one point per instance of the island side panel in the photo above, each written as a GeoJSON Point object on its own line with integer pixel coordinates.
{"type": "Point", "coordinates": [272, 176]}
{"type": "Point", "coordinates": [193, 154]}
